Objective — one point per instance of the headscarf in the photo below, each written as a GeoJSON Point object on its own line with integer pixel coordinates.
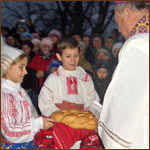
{"type": "Point", "coordinates": [8, 56]}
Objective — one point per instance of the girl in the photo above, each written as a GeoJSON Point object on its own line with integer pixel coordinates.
{"type": "Point", "coordinates": [19, 121]}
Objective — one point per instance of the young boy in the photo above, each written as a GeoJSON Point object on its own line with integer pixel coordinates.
{"type": "Point", "coordinates": [69, 83]}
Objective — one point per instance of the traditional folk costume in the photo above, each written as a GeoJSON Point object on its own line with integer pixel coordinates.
{"type": "Point", "coordinates": [72, 86]}
{"type": "Point", "coordinates": [124, 119]}
{"type": "Point", "coordinates": [19, 121]}
{"type": "Point", "coordinates": [68, 89]}
{"type": "Point", "coordinates": [18, 125]}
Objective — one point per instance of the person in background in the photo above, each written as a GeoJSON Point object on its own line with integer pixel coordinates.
{"type": "Point", "coordinates": [87, 40]}
{"type": "Point", "coordinates": [35, 36]}
{"type": "Point", "coordinates": [116, 49]}
{"type": "Point", "coordinates": [5, 32]}
{"type": "Point", "coordinates": [55, 36]}
{"type": "Point", "coordinates": [37, 69]}
{"type": "Point", "coordinates": [19, 119]}
{"type": "Point", "coordinates": [115, 52]}
{"type": "Point", "coordinates": [29, 25]}
{"type": "Point", "coordinates": [77, 37]}
{"type": "Point", "coordinates": [102, 56]}
{"type": "Point", "coordinates": [101, 79]}
{"type": "Point", "coordinates": [97, 44]}
{"type": "Point", "coordinates": [115, 35]}
{"type": "Point", "coordinates": [11, 40]}
{"type": "Point", "coordinates": [26, 36]}
{"type": "Point", "coordinates": [109, 43]}
{"type": "Point", "coordinates": [23, 25]}
{"type": "Point", "coordinates": [26, 47]}
{"type": "Point", "coordinates": [36, 45]}
{"type": "Point", "coordinates": [124, 119]}
{"type": "Point", "coordinates": [19, 28]}
{"type": "Point", "coordinates": [2, 41]}
{"type": "Point", "coordinates": [88, 52]}
{"type": "Point", "coordinates": [82, 61]}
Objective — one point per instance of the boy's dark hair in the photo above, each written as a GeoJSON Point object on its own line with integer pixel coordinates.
{"type": "Point", "coordinates": [67, 42]}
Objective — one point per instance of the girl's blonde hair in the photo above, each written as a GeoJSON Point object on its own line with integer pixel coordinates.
{"type": "Point", "coordinates": [18, 59]}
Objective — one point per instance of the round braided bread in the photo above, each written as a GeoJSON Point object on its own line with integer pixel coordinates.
{"type": "Point", "coordinates": [75, 118]}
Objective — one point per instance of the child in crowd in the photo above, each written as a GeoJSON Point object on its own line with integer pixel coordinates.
{"type": "Point", "coordinates": [26, 47]}
{"type": "Point", "coordinates": [53, 66]}
{"type": "Point", "coordinates": [26, 36]}
{"type": "Point", "coordinates": [115, 51]}
{"type": "Point", "coordinates": [55, 36]}
{"type": "Point", "coordinates": [35, 36]}
{"type": "Point", "coordinates": [101, 56]}
{"type": "Point", "coordinates": [37, 69]}
{"type": "Point", "coordinates": [101, 79]}
{"type": "Point", "coordinates": [19, 121]}
{"type": "Point", "coordinates": [82, 61]}
{"type": "Point", "coordinates": [41, 61]}
{"type": "Point", "coordinates": [69, 83]}
{"type": "Point", "coordinates": [11, 40]}
{"type": "Point", "coordinates": [36, 45]}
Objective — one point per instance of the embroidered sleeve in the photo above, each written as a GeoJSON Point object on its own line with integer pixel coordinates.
{"type": "Point", "coordinates": [46, 100]}
{"type": "Point", "coordinates": [16, 121]}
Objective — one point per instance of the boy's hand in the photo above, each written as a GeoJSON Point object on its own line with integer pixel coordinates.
{"type": "Point", "coordinates": [48, 123]}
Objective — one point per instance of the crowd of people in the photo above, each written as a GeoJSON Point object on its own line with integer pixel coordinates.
{"type": "Point", "coordinates": [41, 72]}
{"type": "Point", "coordinates": [97, 56]}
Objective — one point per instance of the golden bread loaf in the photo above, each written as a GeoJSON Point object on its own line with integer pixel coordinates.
{"type": "Point", "coordinates": [75, 118]}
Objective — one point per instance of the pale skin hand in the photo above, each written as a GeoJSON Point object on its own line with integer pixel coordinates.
{"type": "Point", "coordinates": [39, 74]}
{"type": "Point", "coordinates": [48, 123]}
{"type": "Point", "coordinates": [96, 130]}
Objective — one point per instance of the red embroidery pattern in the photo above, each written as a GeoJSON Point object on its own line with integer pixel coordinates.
{"type": "Point", "coordinates": [72, 85]}
{"type": "Point", "coordinates": [13, 110]}
{"type": "Point", "coordinates": [86, 77]}
{"type": "Point", "coordinates": [48, 88]}
{"type": "Point", "coordinates": [57, 73]}
{"type": "Point", "coordinates": [26, 107]}
{"type": "Point", "coordinates": [11, 133]}
{"type": "Point", "coordinates": [68, 105]}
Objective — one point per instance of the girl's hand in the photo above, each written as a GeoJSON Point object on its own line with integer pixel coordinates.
{"type": "Point", "coordinates": [96, 130]}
